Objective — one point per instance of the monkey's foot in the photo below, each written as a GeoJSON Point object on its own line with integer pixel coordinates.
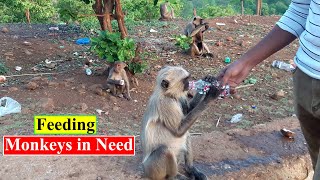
{"type": "Point", "coordinates": [181, 177]}
{"type": "Point", "coordinates": [199, 176]}
{"type": "Point", "coordinates": [211, 55]}
{"type": "Point", "coordinates": [128, 97]}
{"type": "Point", "coordinates": [120, 95]}
{"type": "Point", "coordinates": [194, 173]}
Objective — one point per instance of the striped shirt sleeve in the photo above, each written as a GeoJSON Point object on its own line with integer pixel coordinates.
{"type": "Point", "coordinates": [294, 19]}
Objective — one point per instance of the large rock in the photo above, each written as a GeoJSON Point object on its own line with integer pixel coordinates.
{"type": "Point", "coordinates": [229, 38]}
{"type": "Point", "coordinates": [94, 87]}
{"type": "Point", "coordinates": [2, 79]}
{"type": "Point", "coordinates": [46, 104]}
{"type": "Point", "coordinates": [278, 95]}
{"type": "Point", "coordinates": [32, 86]}
{"type": "Point", "coordinates": [82, 107]}
{"type": "Point", "coordinates": [97, 89]}
{"type": "Point", "coordinates": [5, 30]}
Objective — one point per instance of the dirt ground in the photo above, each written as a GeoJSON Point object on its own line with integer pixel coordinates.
{"type": "Point", "coordinates": [72, 91]}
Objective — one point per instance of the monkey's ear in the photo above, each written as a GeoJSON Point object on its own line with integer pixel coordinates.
{"type": "Point", "coordinates": [165, 84]}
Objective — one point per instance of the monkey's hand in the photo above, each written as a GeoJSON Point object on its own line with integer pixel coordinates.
{"type": "Point", "coordinates": [214, 91]}
{"type": "Point", "coordinates": [119, 82]}
{"type": "Point", "coordinates": [210, 79]}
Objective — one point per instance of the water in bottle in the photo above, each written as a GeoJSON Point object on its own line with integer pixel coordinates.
{"type": "Point", "coordinates": [202, 87]}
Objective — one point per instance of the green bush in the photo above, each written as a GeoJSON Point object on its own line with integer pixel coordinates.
{"type": "Point", "coordinates": [139, 10]}
{"type": "Point", "coordinates": [146, 10]}
{"type": "Point", "coordinates": [111, 47]}
{"type": "Point", "coordinates": [3, 69]}
{"type": "Point", "coordinates": [183, 41]}
{"type": "Point", "coordinates": [138, 67]}
{"type": "Point", "coordinates": [90, 24]}
{"type": "Point", "coordinates": [69, 10]}
{"type": "Point", "coordinates": [41, 11]}
{"type": "Point", "coordinates": [216, 11]}
{"type": "Point", "coordinates": [4, 17]}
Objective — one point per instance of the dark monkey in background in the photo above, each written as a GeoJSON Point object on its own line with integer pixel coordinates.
{"type": "Point", "coordinates": [165, 13]}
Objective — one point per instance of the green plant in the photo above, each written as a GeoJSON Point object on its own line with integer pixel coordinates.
{"type": "Point", "coordinates": [111, 47]}
{"type": "Point", "coordinates": [90, 24]}
{"type": "Point", "coordinates": [216, 11]}
{"type": "Point", "coordinates": [70, 10]}
{"type": "Point", "coordinates": [183, 41]}
{"type": "Point", "coordinates": [140, 10]}
{"type": "Point", "coordinates": [137, 67]}
{"type": "Point", "coordinates": [147, 10]}
{"type": "Point", "coordinates": [3, 69]}
{"type": "Point", "coordinates": [14, 10]}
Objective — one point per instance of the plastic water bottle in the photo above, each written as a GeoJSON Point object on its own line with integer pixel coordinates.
{"type": "Point", "coordinates": [236, 118]}
{"type": "Point", "coordinates": [202, 87]}
{"type": "Point", "coordinates": [283, 65]}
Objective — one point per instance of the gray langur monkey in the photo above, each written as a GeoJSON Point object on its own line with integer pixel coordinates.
{"type": "Point", "coordinates": [165, 13]}
{"type": "Point", "coordinates": [165, 125]}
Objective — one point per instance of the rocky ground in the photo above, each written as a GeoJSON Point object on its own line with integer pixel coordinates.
{"type": "Point", "coordinates": [69, 90]}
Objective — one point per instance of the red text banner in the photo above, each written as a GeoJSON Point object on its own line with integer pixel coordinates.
{"type": "Point", "coordinates": [69, 145]}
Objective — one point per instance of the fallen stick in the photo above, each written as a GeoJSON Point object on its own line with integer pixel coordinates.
{"type": "Point", "coordinates": [244, 86]}
{"type": "Point", "coordinates": [209, 40]}
{"type": "Point", "coordinates": [39, 74]}
{"type": "Point", "coordinates": [195, 133]}
{"type": "Point", "coordinates": [218, 121]}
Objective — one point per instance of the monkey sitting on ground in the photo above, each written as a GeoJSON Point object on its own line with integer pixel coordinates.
{"type": "Point", "coordinates": [168, 117]}
{"type": "Point", "coordinates": [165, 13]}
{"type": "Point", "coordinates": [195, 29]}
{"type": "Point", "coordinates": [117, 81]}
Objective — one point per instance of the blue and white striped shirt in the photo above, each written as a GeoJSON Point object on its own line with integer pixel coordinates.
{"type": "Point", "coordinates": [303, 20]}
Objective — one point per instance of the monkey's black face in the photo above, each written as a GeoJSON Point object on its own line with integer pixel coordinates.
{"type": "Point", "coordinates": [185, 81]}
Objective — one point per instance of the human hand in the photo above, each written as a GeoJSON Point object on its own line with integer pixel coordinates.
{"type": "Point", "coordinates": [234, 74]}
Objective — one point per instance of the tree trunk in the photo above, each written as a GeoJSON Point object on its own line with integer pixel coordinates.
{"type": "Point", "coordinates": [120, 19]}
{"type": "Point", "coordinates": [107, 12]}
{"type": "Point", "coordinates": [258, 7]}
{"type": "Point", "coordinates": [28, 15]}
{"type": "Point", "coordinates": [242, 8]}
{"type": "Point", "coordinates": [97, 7]}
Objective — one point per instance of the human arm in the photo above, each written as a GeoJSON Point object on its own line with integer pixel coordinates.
{"type": "Point", "coordinates": [235, 73]}
{"type": "Point", "coordinates": [287, 29]}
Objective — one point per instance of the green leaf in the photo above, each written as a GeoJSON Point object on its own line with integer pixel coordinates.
{"type": "Point", "coordinates": [155, 2]}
